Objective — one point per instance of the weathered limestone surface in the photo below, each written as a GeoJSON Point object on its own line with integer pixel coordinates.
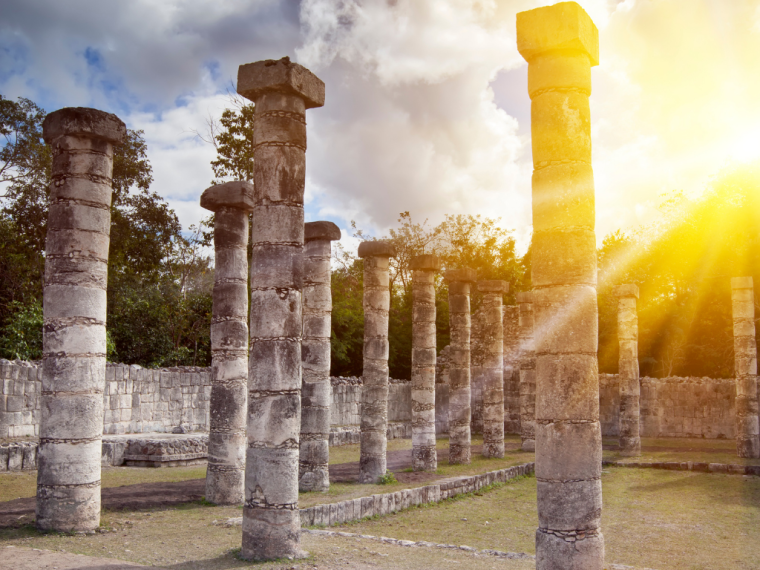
{"type": "Point", "coordinates": [377, 302]}
{"type": "Point", "coordinates": [745, 367]}
{"type": "Point", "coordinates": [493, 367]}
{"type": "Point", "coordinates": [459, 282]}
{"type": "Point", "coordinates": [560, 44]}
{"type": "Point", "coordinates": [74, 309]}
{"type": "Point", "coordinates": [511, 322]}
{"type": "Point", "coordinates": [314, 453]}
{"type": "Point", "coordinates": [225, 475]}
{"type": "Point", "coordinates": [424, 456]}
{"type": "Point", "coordinates": [527, 372]}
{"type": "Point", "coordinates": [281, 91]}
{"type": "Point", "coordinates": [628, 370]}
{"type": "Point", "coordinates": [477, 372]}
{"type": "Point", "coordinates": [442, 391]}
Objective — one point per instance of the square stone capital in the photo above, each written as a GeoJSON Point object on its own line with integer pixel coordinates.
{"type": "Point", "coordinates": [524, 297]}
{"type": "Point", "coordinates": [425, 262]}
{"type": "Point", "coordinates": [237, 194]}
{"type": "Point", "coordinates": [742, 283]}
{"type": "Point", "coordinates": [83, 121]}
{"type": "Point", "coordinates": [561, 27]}
{"type": "Point", "coordinates": [280, 76]}
{"type": "Point", "coordinates": [377, 248]}
{"type": "Point", "coordinates": [320, 230]}
{"type": "Point", "coordinates": [627, 290]}
{"type": "Point", "coordinates": [461, 275]}
{"type": "Point", "coordinates": [493, 286]}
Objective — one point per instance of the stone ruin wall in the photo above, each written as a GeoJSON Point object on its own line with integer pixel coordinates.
{"type": "Point", "coordinates": [674, 407]}
{"type": "Point", "coordinates": [139, 400]}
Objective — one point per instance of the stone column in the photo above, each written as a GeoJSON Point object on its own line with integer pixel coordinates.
{"type": "Point", "coordinates": [493, 367]}
{"type": "Point", "coordinates": [424, 456]}
{"type": "Point", "coordinates": [628, 370]}
{"type": "Point", "coordinates": [527, 373]}
{"type": "Point", "coordinates": [377, 303]}
{"type": "Point", "coordinates": [745, 367]}
{"type": "Point", "coordinates": [511, 369]}
{"type": "Point", "coordinates": [282, 91]}
{"type": "Point", "coordinates": [225, 474]}
{"type": "Point", "coordinates": [74, 310]}
{"type": "Point", "coordinates": [315, 357]}
{"type": "Point", "coordinates": [459, 281]}
{"type": "Point", "coordinates": [561, 44]}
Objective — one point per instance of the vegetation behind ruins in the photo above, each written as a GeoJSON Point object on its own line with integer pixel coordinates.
{"type": "Point", "coordinates": [161, 276]}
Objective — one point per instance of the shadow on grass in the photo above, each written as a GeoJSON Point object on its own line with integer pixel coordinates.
{"type": "Point", "coordinates": [737, 490]}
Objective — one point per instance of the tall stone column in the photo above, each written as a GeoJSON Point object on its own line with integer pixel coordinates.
{"type": "Point", "coordinates": [493, 367]}
{"type": "Point", "coordinates": [282, 91]}
{"type": "Point", "coordinates": [745, 367]}
{"type": "Point", "coordinates": [374, 413]}
{"type": "Point", "coordinates": [315, 357]}
{"type": "Point", "coordinates": [511, 369]}
{"type": "Point", "coordinates": [225, 474]}
{"type": "Point", "coordinates": [561, 44]}
{"type": "Point", "coordinates": [74, 310]}
{"type": "Point", "coordinates": [527, 372]}
{"type": "Point", "coordinates": [628, 370]}
{"type": "Point", "coordinates": [424, 455]}
{"type": "Point", "coordinates": [459, 282]}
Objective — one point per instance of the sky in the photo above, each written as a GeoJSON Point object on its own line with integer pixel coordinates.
{"type": "Point", "coordinates": [426, 106]}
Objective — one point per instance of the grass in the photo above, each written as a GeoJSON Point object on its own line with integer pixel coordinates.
{"type": "Point", "coordinates": [22, 484]}
{"type": "Point", "coordinates": [348, 453]}
{"type": "Point", "coordinates": [666, 520]}
{"type": "Point", "coordinates": [656, 519]}
{"type": "Point", "coordinates": [688, 449]}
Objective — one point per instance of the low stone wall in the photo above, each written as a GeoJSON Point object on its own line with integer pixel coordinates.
{"type": "Point", "coordinates": [674, 407]}
{"type": "Point", "coordinates": [20, 399]}
{"type": "Point", "coordinates": [387, 503]}
{"type": "Point", "coordinates": [346, 401]}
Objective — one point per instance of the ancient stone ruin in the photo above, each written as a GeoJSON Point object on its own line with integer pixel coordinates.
{"type": "Point", "coordinates": [527, 363]}
{"type": "Point", "coordinates": [459, 282]}
{"type": "Point", "coordinates": [377, 302]}
{"type": "Point", "coordinates": [745, 367]}
{"type": "Point", "coordinates": [493, 367]}
{"type": "Point", "coordinates": [313, 474]}
{"type": "Point", "coordinates": [628, 370]}
{"type": "Point", "coordinates": [560, 44]}
{"type": "Point", "coordinates": [424, 455]}
{"type": "Point", "coordinates": [225, 475]}
{"type": "Point", "coordinates": [282, 91]}
{"type": "Point", "coordinates": [74, 333]}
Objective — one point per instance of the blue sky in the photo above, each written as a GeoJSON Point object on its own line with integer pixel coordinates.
{"type": "Point", "coordinates": [426, 108]}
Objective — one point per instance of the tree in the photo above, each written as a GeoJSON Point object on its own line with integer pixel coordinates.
{"type": "Point", "coordinates": [157, 276]}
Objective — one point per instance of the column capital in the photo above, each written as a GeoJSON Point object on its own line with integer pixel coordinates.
{"type": "Point", "coordinates": [627, 290]}
{"type": "Point", "coordinates": [742, 283]}
{"type": "Point", "coordinates": [425, 262]}
{"type": "Point", "coordinates": [376, 248]}
{"type": "Point", "coordinates": [563, 27]}
{"type": "Point", "coordinates": [493, 286]}
{"type": "Point", "coordinates": [280, 76]}
{"type": "Point", "coordinates": [83, 121]}
{"type": "Point", "coordinates": [461, 275]}
{"type": "Point", "coordinates": [237, 194]}
{"type": "Point", "coordinates": [323, 230]}
{"type": "Point", "coordinates": [524, 297]}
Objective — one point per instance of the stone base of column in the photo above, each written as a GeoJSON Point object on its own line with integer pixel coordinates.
{"type": "Point", "coordinates": [269, 534]}
{"type": "Point", "coordinates": [558, 550]}
{"type": "Point", "coordinates": [68, 508]}
{"type": "Point", "coordinates": [313, 470]}
{"type": "Point", "coordinates": [459, 454]}
{"type": "Point", "coordinates": [528, 445]}
{"type": "Point", "coordinates": [630, 446]}
{"type": "Point", "coordinates": [424, 458]}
